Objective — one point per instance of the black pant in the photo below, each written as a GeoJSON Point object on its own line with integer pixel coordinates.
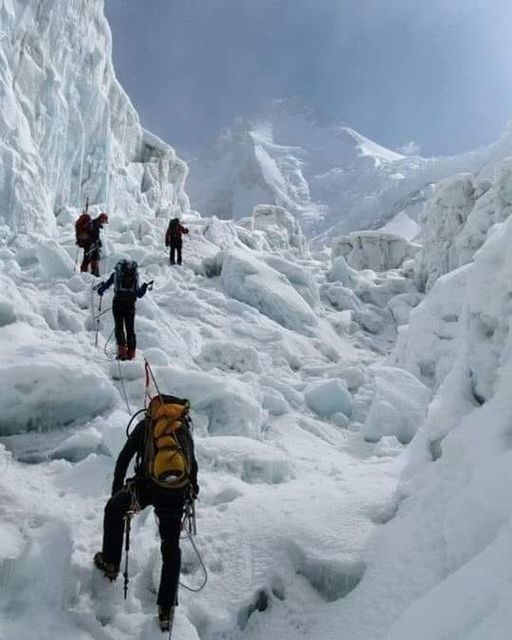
{"type": "Point", "coordinates": [169, 511]}
{"type": "Point", "coordinates": [92, 257]}
{"type": "Point", "coordinates": [124, 316]}
{"type": "Point", "coordinates": [176, 245]}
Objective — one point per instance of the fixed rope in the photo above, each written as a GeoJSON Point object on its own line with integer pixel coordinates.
{"type": "Point", "coordinates": [189, 528]}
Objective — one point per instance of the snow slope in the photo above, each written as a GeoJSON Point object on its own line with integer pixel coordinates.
{"type": "Point", "coordinates": [276, 373]}
{"type": "Point", "coordinates": [328, 175]}
{"type": "Point", "coordinates": [315, 519]}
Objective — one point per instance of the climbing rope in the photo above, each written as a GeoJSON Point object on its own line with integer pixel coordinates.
{"type": "Point", "coordinates": [102, 313]}
{"type": "Point", "coordinates": [201, 564]}
{"type": "Point", "coordinates": [109, 355]}
{"type": "Point", "coordinates": [150, 377]}
{"type": "Point", "coordinates": [123, 387]}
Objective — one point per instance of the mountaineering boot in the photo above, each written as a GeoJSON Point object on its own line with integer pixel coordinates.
{"type": "Point", "coordinates": [165, 618]}
{"type": "Point", "coordinates": [109, 570]}
{"type": "Point", "coordinates": [130, 354]}
{"type": "Point", "coordinates": [122, 352]}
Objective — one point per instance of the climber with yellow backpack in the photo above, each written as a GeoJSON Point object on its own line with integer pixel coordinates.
{"type": "Point", "coordinates": [165, 477]}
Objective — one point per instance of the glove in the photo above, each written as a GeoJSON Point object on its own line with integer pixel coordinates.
{"type": "Point", "coordinates": [101, 288]}
{"type": "Point", "coordinates": [144, 288]}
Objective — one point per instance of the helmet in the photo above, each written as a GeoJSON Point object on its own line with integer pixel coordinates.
{"type": "Point", "coordinates": [103, 218]}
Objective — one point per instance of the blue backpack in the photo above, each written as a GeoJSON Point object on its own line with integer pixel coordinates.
{"type": "Point", "coordinates": [126, 279]}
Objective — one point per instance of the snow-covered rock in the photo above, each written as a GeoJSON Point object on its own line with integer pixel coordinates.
{"type": "Point", "coordinates": [373, 250]}
{"type": "Point", "coordinates": [43, 390]}
{"type": "Point", "coordinates": [327, 397]}
{"type": "Point", "coordinates": [444, 217]}
{"type": "Point", "coordinates": [457, 220]}
{"type": "Point", "coordinates": [428, 346]}
{"type": "Point", "coordinates": [251, 281]}
{"type": "Point", "coordinates": [280, 229]}
{"type": "Point", "coordinates": [398, 407]}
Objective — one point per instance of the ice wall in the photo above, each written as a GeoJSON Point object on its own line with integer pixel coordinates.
{"type": "Point", "coordinates": [437, 566]}
{"type": "Point", "coordinates": [457, 218]}
{"type": "Point", "coordinates": [67, 129]}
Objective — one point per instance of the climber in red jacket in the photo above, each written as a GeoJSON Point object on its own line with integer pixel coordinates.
{"type": "Point", "coordinates": [173, 239]}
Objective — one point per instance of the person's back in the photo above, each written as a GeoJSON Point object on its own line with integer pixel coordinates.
{"type": "Point", "coordinates": [88, 237]}
{"type": "Point", "coordinates": [157, 482]}
{"type": "Point", "coordinates": [173, 239]}
{"type": "Point", "coordinates": [125, 279]}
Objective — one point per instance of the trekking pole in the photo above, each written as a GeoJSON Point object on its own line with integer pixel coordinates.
{"type": "Point", "coordinates": [98, 322]}
{"type": "Point", "coordinates": [193, 519]}
{"type": "Point", "coordinates": [128, 522]}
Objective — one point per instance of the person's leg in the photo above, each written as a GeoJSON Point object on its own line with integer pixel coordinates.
{"type": "Point", "coordinates": [95, 262]}
{"type": "Point", "coordinates": [129, 320]}
{"type": "Point", "coordinates": [179, 247]}
{"type": "Point", "coordinates": [113, 526]}
{"type": "Point", "coordinates": [172, 256]}
{"type": "Point", "coordinates": [118, 312]}
{"type": "Point", "coordinates": [86, 259]}
{"type": "Point", "coordinates": [169, 519]}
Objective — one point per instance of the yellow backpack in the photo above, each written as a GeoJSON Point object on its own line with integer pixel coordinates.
{"type": "Point", "coordinates": [167, 451]}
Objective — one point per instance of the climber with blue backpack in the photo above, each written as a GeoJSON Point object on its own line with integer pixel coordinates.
{"type": "Point", "coordinates": [125, 279]}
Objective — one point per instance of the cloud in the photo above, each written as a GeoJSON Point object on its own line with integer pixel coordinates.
{"type": "Point", "coordinates": [409, 149]}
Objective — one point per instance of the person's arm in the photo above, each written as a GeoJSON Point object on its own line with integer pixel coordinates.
{"type": "Point", "coordinates": [103, 286]}
{"type": "Point", "coordinates": [183, 229]}
{"type": "Point", "coordinates": [132, 445]}
{"type": "Point", "coordinates": [141, 291]}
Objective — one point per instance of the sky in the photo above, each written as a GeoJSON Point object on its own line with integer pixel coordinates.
{"type": "Point", "coordinates": [429, 74]}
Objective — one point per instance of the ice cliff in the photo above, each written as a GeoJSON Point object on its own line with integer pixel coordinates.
{"type": "Point", "coordinates": [67, 129]}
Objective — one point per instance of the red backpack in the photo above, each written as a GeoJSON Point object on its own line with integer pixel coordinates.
{"type": "Point", "coordinates": [83, 230]}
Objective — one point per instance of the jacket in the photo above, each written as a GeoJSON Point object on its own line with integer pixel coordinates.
{"type": "Point", "coordinates": [95, 226]}
{"type": "Point", "coordinates": [174, 232]}
{"type": "Point", "coordinates": [135, 446]}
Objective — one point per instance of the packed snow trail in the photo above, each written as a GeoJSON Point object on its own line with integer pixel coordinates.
{"type": "Point", "coordinates": [288, 499]}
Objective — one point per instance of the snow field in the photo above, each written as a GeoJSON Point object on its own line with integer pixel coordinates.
{"type": "Point", "coordinates": [304, 525]}
{"type": "Point", "coordinates": [273, 458]}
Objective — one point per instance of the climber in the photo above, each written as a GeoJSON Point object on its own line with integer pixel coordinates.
{"type": "Point", "coordinates": [88, 238]}
{"type": "Point", "coordinates": [165, 477]}
{"type": "Point", "coordinates": [125, 279]}
{"type": "Point", "coordinates": [173, 239]}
